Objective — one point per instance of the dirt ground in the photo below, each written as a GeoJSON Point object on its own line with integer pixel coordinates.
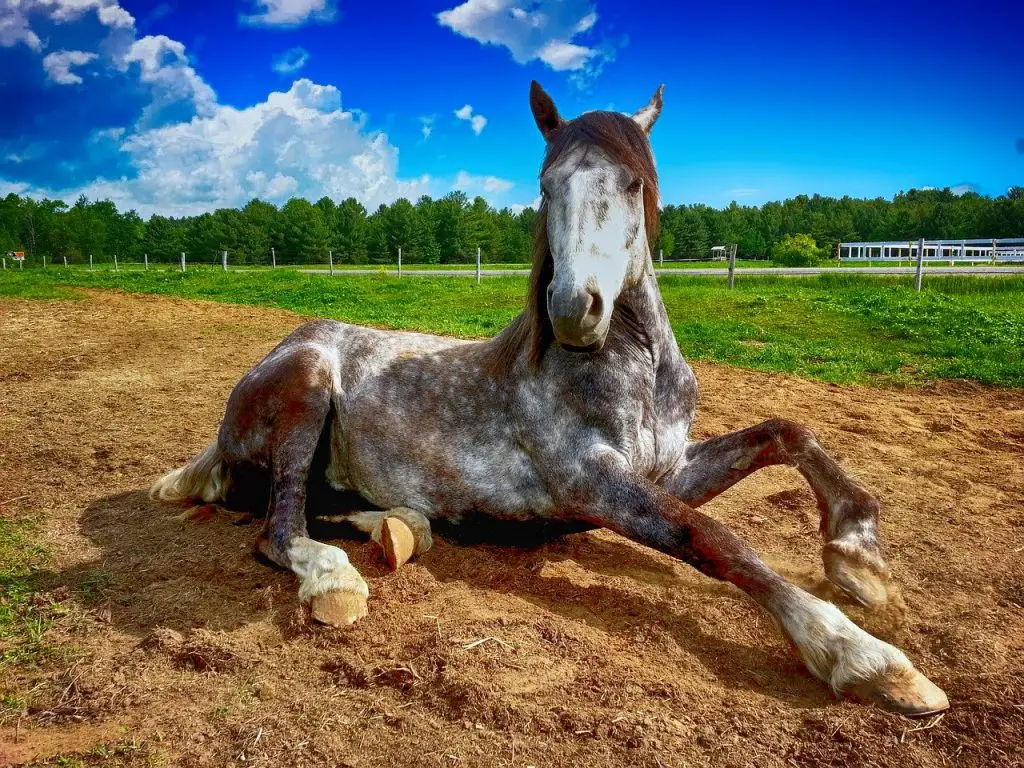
{"type": "Point", "coordinates": [181, 649]}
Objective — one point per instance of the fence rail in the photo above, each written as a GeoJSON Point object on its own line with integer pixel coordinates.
{"type": "Point", "coordinates": [974, 250]}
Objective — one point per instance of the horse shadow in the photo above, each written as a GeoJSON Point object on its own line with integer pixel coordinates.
{"type": "Point", "coordinates": [160, 567]}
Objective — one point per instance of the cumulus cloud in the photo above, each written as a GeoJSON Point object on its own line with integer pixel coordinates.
{"type": "Point", "coordinates": [493, 185]}
{"type": "Point", "coordinates": [15, 14]}
{"type": "Point", "coordinates": [164, 67]}
{"type": "Point", "coordinates": [151, 134]}
{"type": "Point", "coordinates": [14, 26]}
{"type": "Point", "coordinates": [544, 30]}
{"type": "Point", "coordinates": [476, 121]}
{"type": "Point", "coordinates": [290, 13]}
{"type": "Point", "coordinates": [291, 61]}
{"type": "Point", "coordinates": [58, 66]}
{"type": "Point", "coordinates": [296, 143]}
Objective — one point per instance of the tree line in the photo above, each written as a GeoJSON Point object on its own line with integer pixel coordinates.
{"type": "Point", "coordinates": [449, 229]}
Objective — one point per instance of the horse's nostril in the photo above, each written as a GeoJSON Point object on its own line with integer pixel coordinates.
{"type": "Point", "coordinates": [596, 308]}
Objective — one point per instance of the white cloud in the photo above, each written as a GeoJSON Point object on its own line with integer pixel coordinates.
{"type": "Point", "coordinates": [291, 61]}
{"type": "Point", "coordinates": [426, 126]}
{"type": "Point", "coordinates": [560, 55]}
{"type": "Point", "coordinates": [58, 66]}
{"type": "Point", "coordinates": [493, 185]}
{"type": "Point", "coordinates": [13, 188]}
{"type": "Point", "coordinates": [296, 143]}
{"type": "Point", "coordinates": [476, 121]}
{"type": "Point", "coordinates": [14, 26]}
{"type": "Point", "coordinates": [14, 17]}
{"type": "Point", "coordinates": [290, 13]}
{"type": "Point", "coordinates": [518, 208]}
{"type": "Point", "coordinates": [545, 30]}
{"type": "Point", "coordinates": [739, 192]}
{"type": "Point", "coordinates": [164, 66]}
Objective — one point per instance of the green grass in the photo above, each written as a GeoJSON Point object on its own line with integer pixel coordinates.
{"type": "Point", "coordinates": [837, 328]}
{"type": "Point", "coordinates": [23, 624]}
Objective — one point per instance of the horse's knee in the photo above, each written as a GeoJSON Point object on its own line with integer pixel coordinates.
{"type": "Point", "coordinates": [793, 435]}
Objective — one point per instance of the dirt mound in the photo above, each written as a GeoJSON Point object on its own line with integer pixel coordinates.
{"type": "Point", "coordinates": [172, 642]}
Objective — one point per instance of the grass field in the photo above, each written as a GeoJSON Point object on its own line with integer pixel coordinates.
{"type": "Point", "coordinates": [837, 328]}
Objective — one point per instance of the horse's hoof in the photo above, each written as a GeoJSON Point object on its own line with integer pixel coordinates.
{"type": "Point", "coordinates": [906, 692]}
{"type": "Point", "coordinates": [857, 579]}
{"type": "Point", "coordinates": [398, 542]}
{"type": "Point", "coordinates": [338, 609]}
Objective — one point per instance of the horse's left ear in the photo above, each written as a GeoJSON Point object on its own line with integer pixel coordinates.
{"type": "Point", "coordinates": [645, 117]}
{"type": "Point", "coordinates": [544, 111]}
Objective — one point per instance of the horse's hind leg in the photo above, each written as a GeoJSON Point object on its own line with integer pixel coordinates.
{"type": "Point", "coordinates": [327, 580]}
{"type": "Point", "coordinates": [849, 514]}
{"type": "Point", "coordinates": [401, 532]}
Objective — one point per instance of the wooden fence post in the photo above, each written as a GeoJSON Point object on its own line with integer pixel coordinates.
{"type": "Point", "coordinates": [145, 260]}
{"type": "Point", "coordinates": [65, 261]}
{"type": "Point", "coordinates": [224, 260]}
{"type": "Point", "coordinates": [732, 267]}
{"type": "Point", "coordinates": [273, 258]}
{"type": "Point", "coordinates": [661, 257]}
{"type": "Point", "coordinates": [182, 261]}
{"type": "Point", "coordinates": [478, 265]}
{"type": "Point", "coordinates": [920, 264]}
{"type": "Point", "coordinates": [993, 252]}
{"type": "Point", "coordinates": [330, 260]}
{"type": "Point", "coordinates": [90, 262]}
{"type": "Point", "coordinates": [115, 262]}
{"type": "Point", "coordinates": [399, 261]}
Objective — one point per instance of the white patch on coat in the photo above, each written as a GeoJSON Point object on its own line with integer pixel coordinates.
{"type": "Point", "coordinates": [835, 649]}
{"type": "Point", "coordinates": [589, 251]}
{"type": "Point", "coordinates": [322, 568]}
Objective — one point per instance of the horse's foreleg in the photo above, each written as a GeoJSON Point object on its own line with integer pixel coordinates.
{"type": "Point", "coordinates": [834, 649]}
{"type": "Point", "coordinates": [327, 580]}
{"type": "Point", "coordinates": [849, 514]}
{"type": "Point", "coordinates": [401, 532]}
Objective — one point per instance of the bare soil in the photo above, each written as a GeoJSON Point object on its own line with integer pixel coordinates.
{"type": "Point", "coordinates": [180, 648]}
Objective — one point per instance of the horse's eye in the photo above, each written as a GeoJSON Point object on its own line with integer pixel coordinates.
{"type": "Point", "coordinates": [635, 186]}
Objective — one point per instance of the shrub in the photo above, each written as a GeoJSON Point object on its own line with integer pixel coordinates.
{"type": "Point", "coordinates": [796, 251]}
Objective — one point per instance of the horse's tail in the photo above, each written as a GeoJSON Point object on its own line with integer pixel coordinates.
{"type": "Point", "coordinates": [203, 478]}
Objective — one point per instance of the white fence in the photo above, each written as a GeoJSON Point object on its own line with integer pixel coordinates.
{"type": "Point", "coordinates": [974, 250]}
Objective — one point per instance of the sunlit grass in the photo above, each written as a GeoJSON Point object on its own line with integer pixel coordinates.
{"type": "Point", "coordinates": [838, 327]}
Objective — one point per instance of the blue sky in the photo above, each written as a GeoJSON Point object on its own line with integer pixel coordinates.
{"type": "Point", "coordinates": [179, 106]}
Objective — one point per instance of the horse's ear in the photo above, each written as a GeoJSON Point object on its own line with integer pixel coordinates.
{"type": "Point", "coordinates": [646, 117]}
{"type": "Point", "coordinates": [544, 111]}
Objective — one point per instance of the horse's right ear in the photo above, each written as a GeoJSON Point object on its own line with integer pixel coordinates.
{"type": "Point", "coordinates": [544, 111]}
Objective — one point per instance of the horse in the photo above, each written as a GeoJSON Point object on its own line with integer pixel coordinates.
{"type": "Point", "coordinates": [576, 416]}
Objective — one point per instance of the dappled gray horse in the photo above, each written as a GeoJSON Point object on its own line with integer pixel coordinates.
{"type": "Point", "coordinates": [576, 416]}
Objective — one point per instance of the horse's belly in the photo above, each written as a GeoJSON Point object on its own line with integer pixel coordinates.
{"type": "Point", "coordinates": [473, 477]}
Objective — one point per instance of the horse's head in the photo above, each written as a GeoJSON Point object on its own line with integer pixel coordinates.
{"type": "Point", "coordinates": [599, 204]}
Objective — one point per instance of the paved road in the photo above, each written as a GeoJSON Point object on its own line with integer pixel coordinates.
{"type": "Point", "coordinates": [709, 272]}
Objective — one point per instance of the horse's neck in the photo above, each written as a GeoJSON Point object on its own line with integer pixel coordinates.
{"type": "Point", "coordinates": [642, 316]}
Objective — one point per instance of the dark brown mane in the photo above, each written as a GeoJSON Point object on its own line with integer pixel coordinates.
{"type": "Point", "coordinates": [622, 140]}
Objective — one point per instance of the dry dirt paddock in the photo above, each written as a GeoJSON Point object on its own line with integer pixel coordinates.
{"type": "Point", "coordinates": [180, 649]}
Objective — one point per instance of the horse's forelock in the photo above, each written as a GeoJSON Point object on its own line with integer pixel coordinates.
{"type": "Point", "coordinates": [623, 141]}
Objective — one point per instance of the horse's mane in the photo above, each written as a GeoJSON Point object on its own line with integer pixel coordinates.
{"type": "Point", "coordinates": [619, 137]}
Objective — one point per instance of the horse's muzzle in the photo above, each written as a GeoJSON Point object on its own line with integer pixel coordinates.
{"type": "Point", "coordinates": [576, 318]}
